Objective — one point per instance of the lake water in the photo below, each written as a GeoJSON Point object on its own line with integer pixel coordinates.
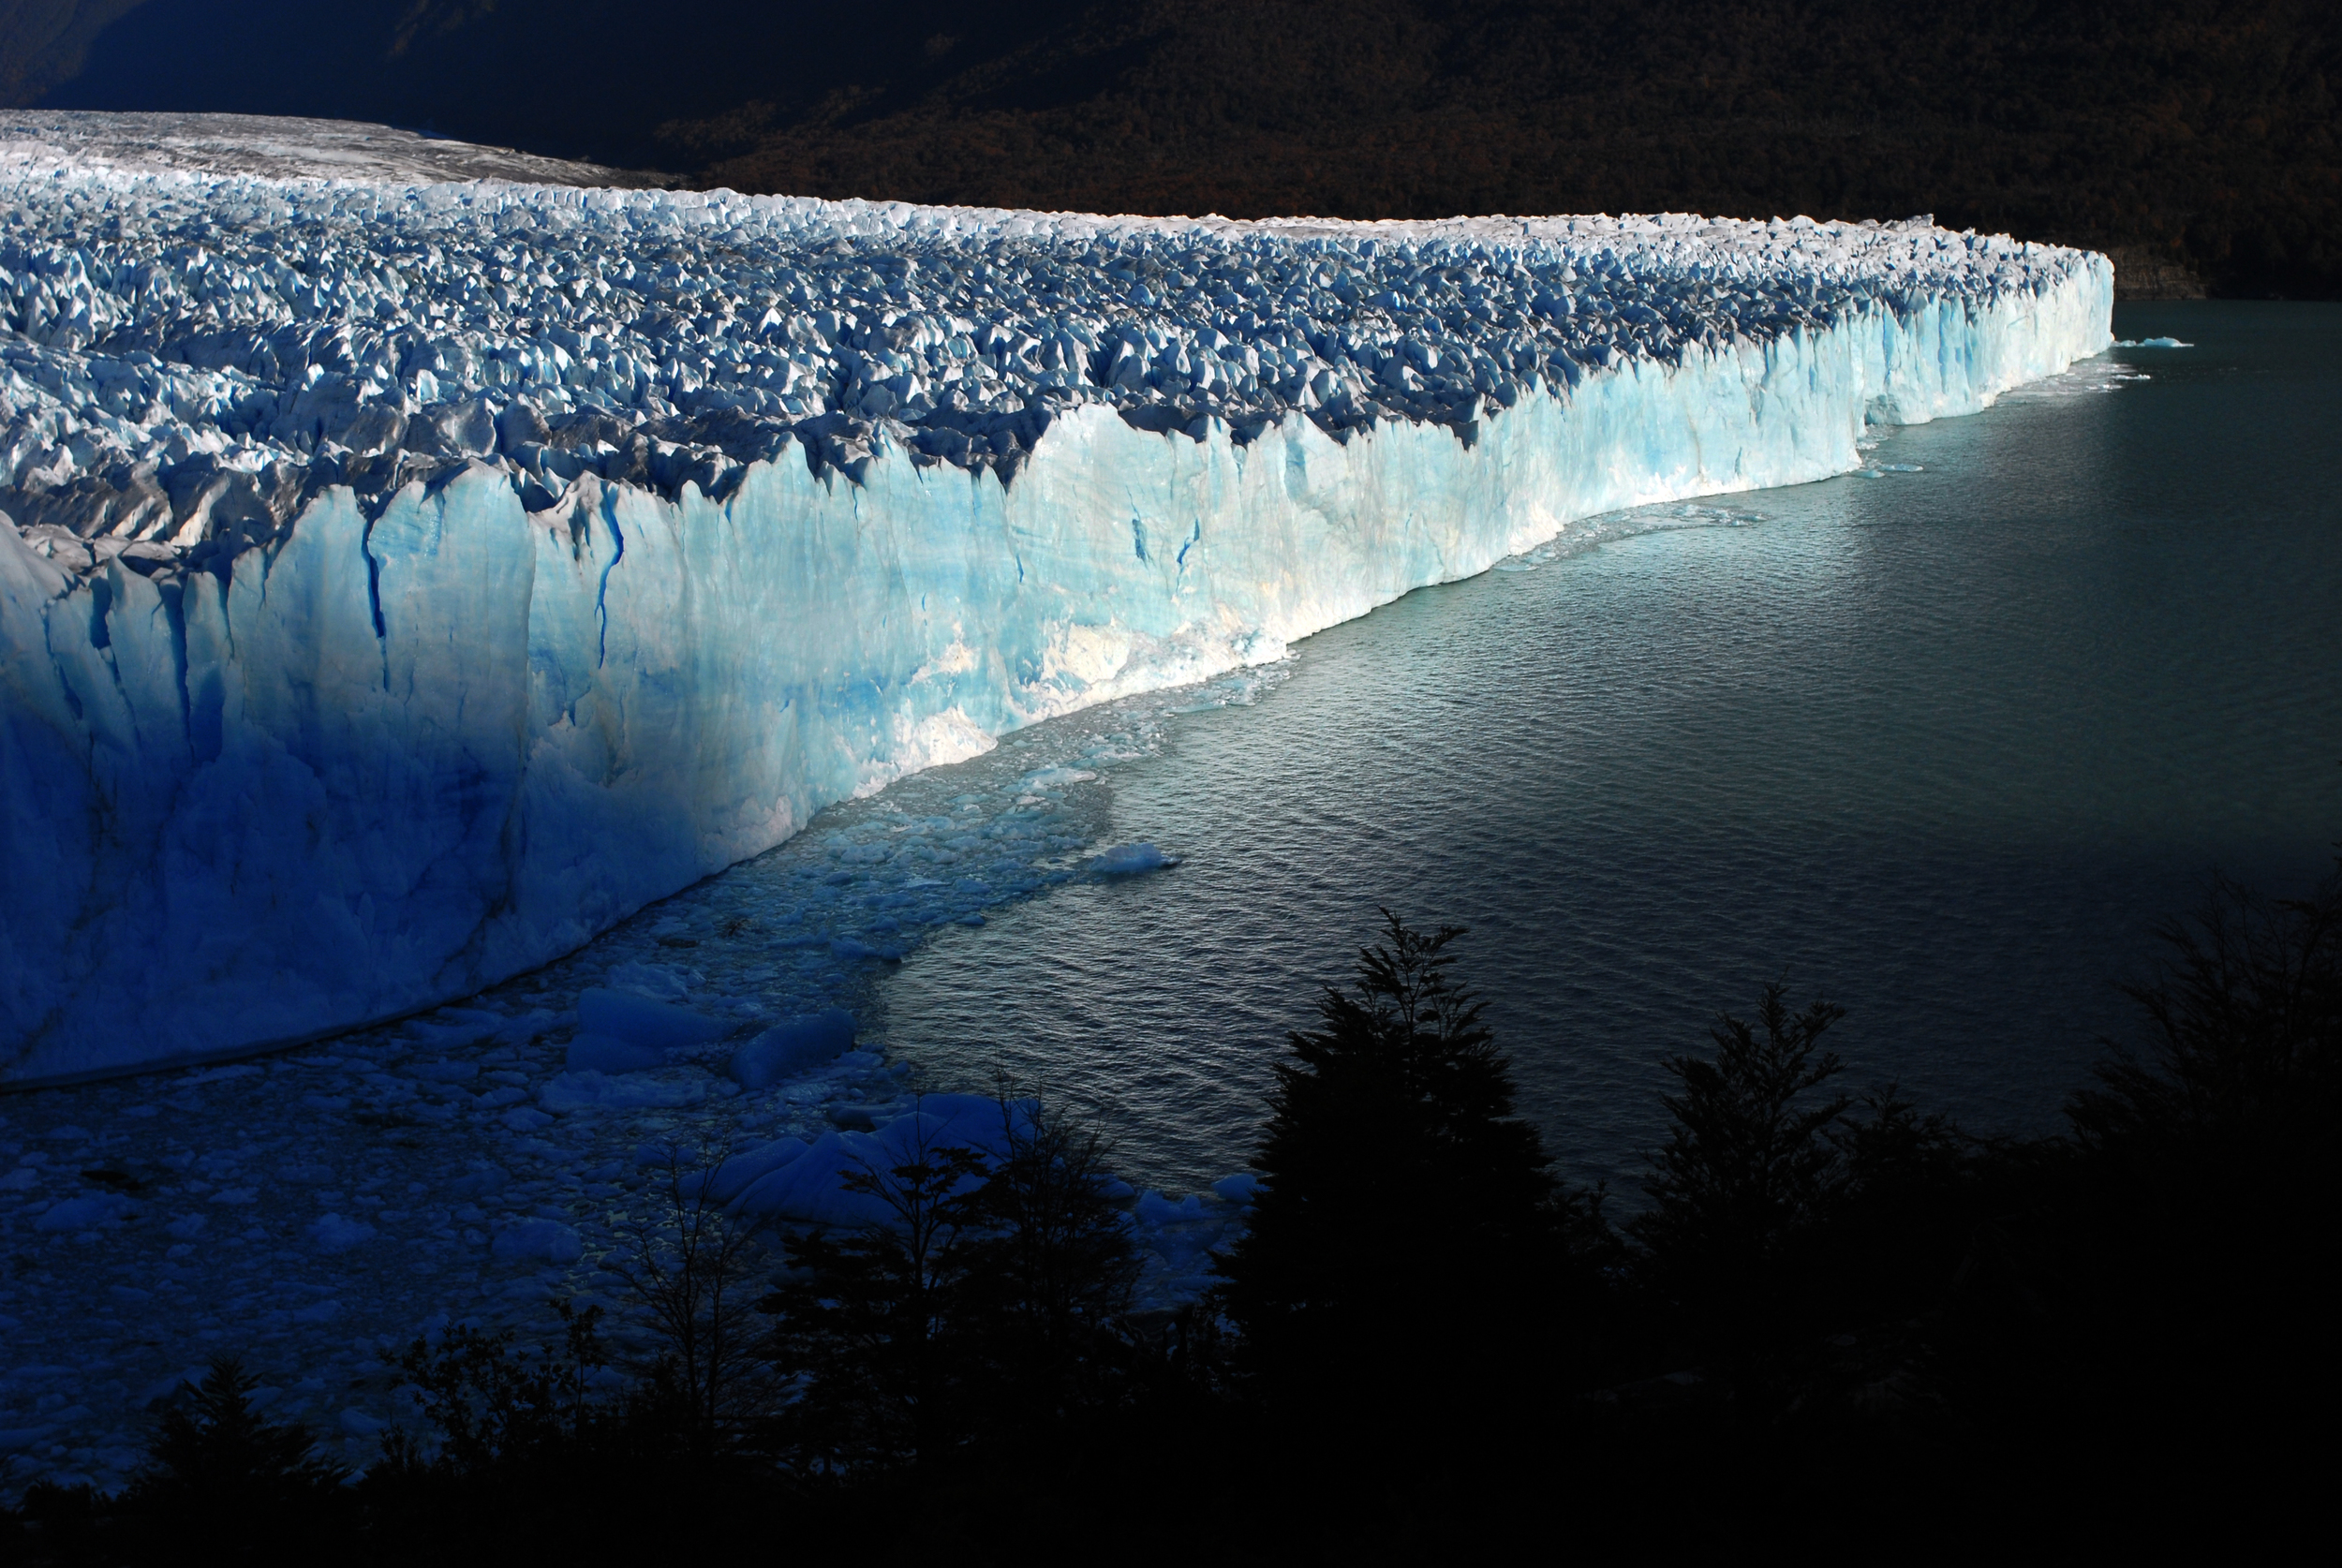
{"type": "Point", "coordinates": [1939, 745]}
{"type": "Point", "coordinates": [1939, 742]}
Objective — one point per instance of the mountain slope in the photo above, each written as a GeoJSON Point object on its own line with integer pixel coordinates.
{"type": "Point", "coordinates": [2194, 138]}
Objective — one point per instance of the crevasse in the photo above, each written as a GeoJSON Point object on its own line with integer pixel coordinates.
{"type": "Point", "coordinates": [413, 743]}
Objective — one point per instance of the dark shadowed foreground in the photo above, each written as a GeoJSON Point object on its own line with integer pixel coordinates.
{"type": "Point", "coordinates": [2193, 138]}
{"type": "Point", "coordinates": [1837, 1318]}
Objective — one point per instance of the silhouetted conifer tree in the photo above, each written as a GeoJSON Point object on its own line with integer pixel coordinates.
{"type": "Point", "coordinates": [1894, 1208]}
{"type": "Point", "coordinates": [224, 1479]}
{"type": "Point", "coordinates": [1748, 1162]}
{"type": "Point", "coordinates": [2180, 1251]}
{"type": "Point", "coordinates": [1407, 1232]}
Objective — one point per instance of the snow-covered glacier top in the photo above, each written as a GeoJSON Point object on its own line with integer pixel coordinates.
{"type": "Point", "coordinates": [188, 356]}
{"type": "Point", "coordinates": [411, 578]}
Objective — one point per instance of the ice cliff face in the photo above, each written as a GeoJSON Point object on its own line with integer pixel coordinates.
{"type": "Point", "coordinates": [405, 582]}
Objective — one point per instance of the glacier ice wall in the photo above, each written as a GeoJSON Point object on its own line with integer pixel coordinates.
{"type": "Point", "coordinates": [405, 583]}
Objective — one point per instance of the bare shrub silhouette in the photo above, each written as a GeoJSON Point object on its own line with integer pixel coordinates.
{"type": "Point", "coordinates": [691, 1264]}
{"type": "Point", "coordinates": [491, 1402]}
{"type": "Point", "coordinates": [2243, 1019]}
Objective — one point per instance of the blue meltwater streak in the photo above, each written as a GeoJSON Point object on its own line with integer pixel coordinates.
{"type": "Point", "coordinates": [1940, 745]}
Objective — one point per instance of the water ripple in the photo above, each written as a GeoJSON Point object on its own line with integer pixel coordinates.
{"type": "Point", "coordinates": [1940, 741]}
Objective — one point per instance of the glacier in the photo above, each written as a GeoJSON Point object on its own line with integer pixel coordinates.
{"type": "Point", "coordinates": [404, 582]}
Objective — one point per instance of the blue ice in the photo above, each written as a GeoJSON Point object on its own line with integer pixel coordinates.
{"type": "Point", "coordinates": [422, 631]}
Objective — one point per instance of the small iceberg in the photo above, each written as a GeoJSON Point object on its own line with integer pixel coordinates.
{"type": "Point", "coordinates": [1055, 779]}
{"type": "Point", "coordinates": [2152, 343]}
{"type": "Point", "coordinates": [799, 1046]}
{"type": "Point", "coordinates": [1128, 860]}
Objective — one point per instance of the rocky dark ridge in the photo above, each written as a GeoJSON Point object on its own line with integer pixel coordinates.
{"type": "Point", "coordinates": [2193, 138]}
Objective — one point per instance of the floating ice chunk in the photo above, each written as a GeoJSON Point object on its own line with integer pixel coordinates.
{"type": "Point", "coordinates": [639, 1021]}
{"type": "Point", "coordinates": [357, 1424]}
{"type": "Point", "coordinates": [2152, 343]}
{"type": "Point", "coordinates": [1238, 1189]}
{"type": "Point", "coordinates": [486, 1182]}
{"type": "Point", "coordinates": [154, 1395]}
{"type": "Point", "coordinates": [592, 1090]}
{"type": "Point", "coordinates": [1155, 1209]}
{"type": "Point", "coordinates": [599, 1053]}
{"type": "Point", "coordinates": [737, 1174]}
{"type": "Point", "coordinates": [452, 1028]}
{"type": "Point", "coordinates": [526, 1119]}
{"type": "Point", "coordinates": [797, 1046]}
{"type": "Point", "coordinates": [446, 1072]}
{"type": "Point", "coordinates": [23, 1179]}
{"type": "Point", "coordinates": [84, 1213]}
{"type": "Point", "coordinates": [979, 1121]}
{"type": "Point", "coordinates": [538, 1240]}
{"type": "Point", "coordinates": [659, 982]}
{"type": "Point", "coordinates": [319, 1311]}
{"type": "Point", "coordinates": [809, 1188]}
{"type": "Point", "coordinates": [188, 1226]}
{"type": "Point", "coordinates": [331, 1233]}
{"type": "Point", "coordinates": [1125, 860]}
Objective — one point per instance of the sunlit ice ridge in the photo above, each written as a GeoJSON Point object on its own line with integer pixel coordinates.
{"type": "Point", "coordinates": [404, 582]}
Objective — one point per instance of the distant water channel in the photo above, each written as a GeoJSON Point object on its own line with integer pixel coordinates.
{"type": "Point", "coordinates": [1939, 742]}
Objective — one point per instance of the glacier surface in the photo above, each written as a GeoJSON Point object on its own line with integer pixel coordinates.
{"type": "Point", "coordinates": [402, 583]}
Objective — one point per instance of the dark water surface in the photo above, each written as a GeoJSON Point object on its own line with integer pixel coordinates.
{"type": "Point", "coordinates": [1940, 745]}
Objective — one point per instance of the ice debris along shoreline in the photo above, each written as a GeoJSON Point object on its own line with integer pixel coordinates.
{"type": "Point", "coordinates": [406, 583]}
{"type": "Point", "coordinates": [315, 1210]}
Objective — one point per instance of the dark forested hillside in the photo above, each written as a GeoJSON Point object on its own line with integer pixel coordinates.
{"type": "Point", "coordinates": [2195, 138]}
